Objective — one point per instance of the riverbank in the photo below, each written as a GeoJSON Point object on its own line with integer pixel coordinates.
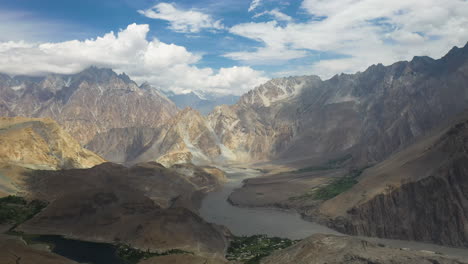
{"type": "Point", "coordinates": [244, 221]}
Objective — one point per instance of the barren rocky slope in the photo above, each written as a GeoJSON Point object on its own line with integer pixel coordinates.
{"type": "Point", "coordinates": [41, 144]}
{"type": "Point", "coordinates": [146, 206]}
{"type": "Point", "coordinates": [420, 193]}
{"type": "Point", "coordinates": [186, 138]}
{"type": "Point", "coordinates": [36, 143]}
{"type": "Point", "coordinates": [370, 114]}
{"type": "Point", "coordinates": [84, 104]}
{"type": "Point", "coordinates": [183, 185]}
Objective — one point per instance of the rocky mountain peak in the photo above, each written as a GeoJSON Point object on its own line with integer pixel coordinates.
{"type": "Point", "coordinates": [188, 111]}
{"type": "Point", "coordinates": [102, 74]}
{"type": "Point", "coordinates": [457, 51]}
{"type": "Point", "coordinates": [89, 102]}
{"type": "Point", "coordinates": [276, 90]}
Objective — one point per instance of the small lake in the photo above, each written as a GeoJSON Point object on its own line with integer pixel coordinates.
{"type": "Point", "coordinates": [82, 251]}
{"type": "Point", "coordinates": [251, 221]}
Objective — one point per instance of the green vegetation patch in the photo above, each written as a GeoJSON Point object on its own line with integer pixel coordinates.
{"type": "Point", "coordinates": [251, 249]}
{"type": "Point", "coordinates": [334, 188]}
{"type": "Point", "coordinates": [132, 255]}
{"type": "Point", "coordinates": [16, 210]}
{"type": "Point", "coordinates": [329, 165]}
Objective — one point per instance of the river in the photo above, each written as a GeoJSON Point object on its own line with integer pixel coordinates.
{"type": "Point", "coordinates": [250, 221]}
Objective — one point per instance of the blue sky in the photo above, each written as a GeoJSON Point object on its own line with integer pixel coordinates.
{"type": "Point", "coordinates": [88, 19]}
{"type": "Point", "coordinates": [225, 46]}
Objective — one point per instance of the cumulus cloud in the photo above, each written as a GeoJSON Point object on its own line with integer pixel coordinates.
{"type": "Point", "coordinates": [276, 44]}
{"type": "Point", "coordinates": [185, 21]}
{"type": "Point", "coordinates": [254, 4]}
{"type": "Point", "coordinates": [362, 32]}
{"type": "Point", "coordinates": [167, 66]}
{"type": "Point", "coordinates": [276, 14]}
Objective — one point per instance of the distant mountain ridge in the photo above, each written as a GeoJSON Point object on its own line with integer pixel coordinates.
{"type": "Point", "coordinates": [205, 104]}
{"type": "Point", "coordinates": [369, 115]}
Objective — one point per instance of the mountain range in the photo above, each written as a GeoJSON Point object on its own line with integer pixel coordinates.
{"type": "Point", "coordinates": [370, 114]}
{"type": "Point", "coordinates": [381, 153]}
{"type": "Point", "coordinates": [87, 103]}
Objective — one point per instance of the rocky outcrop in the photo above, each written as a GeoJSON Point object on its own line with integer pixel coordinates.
{"type": "Point", "coordinates": [321, 249]}
{"type": "Point", "coordinates": [87, 103]}
{"type": "Point", "coordinates": [370, 114]}
{"type": "Point", "coordinates": [41, 144]}
{"type": "Point", "coordinates": [420, 193]}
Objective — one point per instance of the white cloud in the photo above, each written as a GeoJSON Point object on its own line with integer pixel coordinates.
{"type": "Point", "coordinates": [166, 66]}
{"type": "Point", "coordinates": [254, 4]}
{"type": "Point", "coordinates": [267, 55]}
{"type": "Point", "coordinates": [364, 31]}
{"type": "Point", "coordinates": [182, 77]}
{"type": "Point", "coordinates": [275, 13]}
{"type": "Point", "coordinates": [186, 21]}
{"type": "Point", "coordinates": [275, 50]}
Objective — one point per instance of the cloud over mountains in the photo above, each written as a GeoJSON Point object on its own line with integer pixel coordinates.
{"type": "Point", "coordinates": [358, 32]}
{"type": "Point", "coordinates": [243, 42]}
{"type": "Point", "coordinates": [167, 66]}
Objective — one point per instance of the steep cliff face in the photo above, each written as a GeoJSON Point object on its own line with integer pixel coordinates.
{"type": "Point", "coordinates": [419, 194]}
{"type": "Point", "coordinates": [84, 104]}
{"type": "Point", "coordinates": [41, 144]}
{"type": "Point", "coordinates": [370, 114]}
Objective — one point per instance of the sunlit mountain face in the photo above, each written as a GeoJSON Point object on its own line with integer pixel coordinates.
{"type": "Point", "coordinates": [247, 131]}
